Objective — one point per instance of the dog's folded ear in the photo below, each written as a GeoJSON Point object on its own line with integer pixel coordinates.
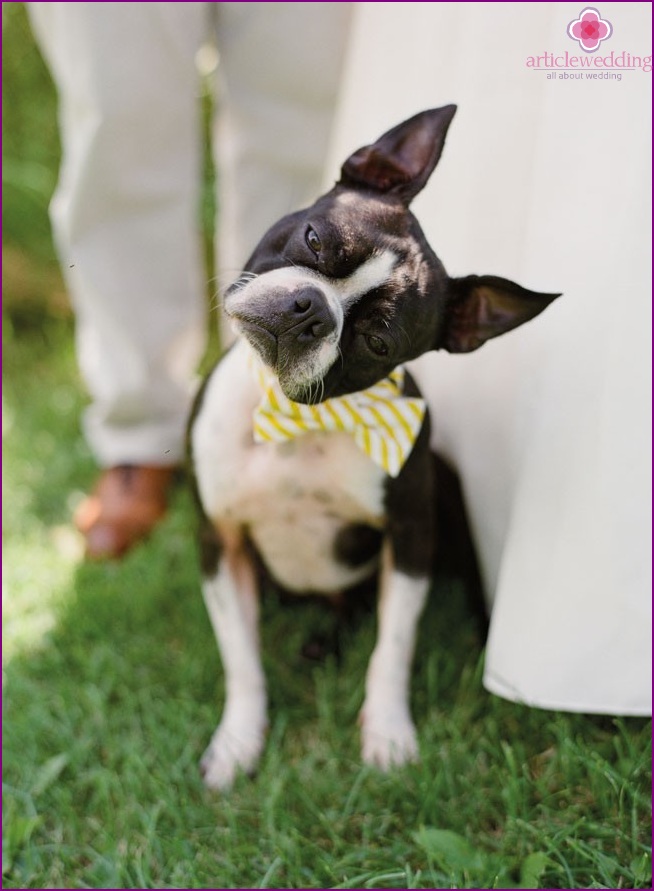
{"type": "Point", "coordinates": [402, 160]}
{"type": "Point", "coordinates": [482, 307]}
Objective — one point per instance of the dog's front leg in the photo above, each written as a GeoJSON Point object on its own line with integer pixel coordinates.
{"type": "Point", "coordinates": [231, 595]}
{"type": "Point", "coordinates": [388, 732]}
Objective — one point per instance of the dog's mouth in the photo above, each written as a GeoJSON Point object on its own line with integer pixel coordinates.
{"type": "Point", "coordinates": [300, 367]}
{"type": "Point", "coordinates": [261, 340]}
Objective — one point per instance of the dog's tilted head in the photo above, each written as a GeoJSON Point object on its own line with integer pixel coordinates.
{"type": "Point", "coordinates": [336, 296]}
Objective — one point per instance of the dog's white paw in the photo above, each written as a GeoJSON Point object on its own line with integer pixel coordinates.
{"type": "Point", "coordinates": [388, 739]}
{"type": "Point", "coordinates": [232, 749]}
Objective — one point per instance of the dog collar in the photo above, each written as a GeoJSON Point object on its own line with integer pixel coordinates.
{"type": "Point", "coordinates": [383, 422]}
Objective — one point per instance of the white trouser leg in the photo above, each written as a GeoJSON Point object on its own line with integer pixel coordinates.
{"type": "Point", "coordinates": [280, 73]}
{"type": "Point", "coordinates": [125, 213]}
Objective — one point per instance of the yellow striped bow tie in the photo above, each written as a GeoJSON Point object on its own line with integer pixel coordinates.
{"type": "Point", "coordinates": [384, 423]}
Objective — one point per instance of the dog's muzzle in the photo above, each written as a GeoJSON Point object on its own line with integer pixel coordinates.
{"type": "Point", "coordinates": [287, 325]}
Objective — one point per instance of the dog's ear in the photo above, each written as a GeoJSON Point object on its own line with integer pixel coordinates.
{"type": "Point", "coordinates": [402, 160]}
{"type": "Point", "coordinates": [481, 307]}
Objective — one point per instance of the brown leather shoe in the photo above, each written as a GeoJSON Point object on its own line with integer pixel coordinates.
{"type": "Point", "coordinates": [127, 502]}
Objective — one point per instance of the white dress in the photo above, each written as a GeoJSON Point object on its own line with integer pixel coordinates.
{"type": "Point", "coordinates": [544, 181]}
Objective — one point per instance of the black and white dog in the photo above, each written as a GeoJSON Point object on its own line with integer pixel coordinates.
{"type": "Point", "coordinates": [310, 444]}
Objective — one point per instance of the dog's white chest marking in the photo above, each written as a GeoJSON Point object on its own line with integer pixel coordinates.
{"type": "Point", "coordinates": [292, 497]}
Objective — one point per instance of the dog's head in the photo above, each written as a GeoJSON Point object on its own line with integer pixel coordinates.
{"type": "Point", "coordinates": [336, 296]}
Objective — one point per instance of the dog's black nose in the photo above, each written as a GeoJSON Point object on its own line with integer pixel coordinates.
{"type": "Point", "coordinates": [305, 316]}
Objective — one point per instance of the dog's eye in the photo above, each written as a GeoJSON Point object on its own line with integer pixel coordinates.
{"type": "Point", "coordinates": [313, 240]}
{"type": "Point", "coordinates": [376, 345]}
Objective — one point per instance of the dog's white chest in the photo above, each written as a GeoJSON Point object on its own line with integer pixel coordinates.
{"type": "Point", "coordinates": [294, 498]}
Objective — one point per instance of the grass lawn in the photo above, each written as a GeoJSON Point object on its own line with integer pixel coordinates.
{"type": "Point", "coordinates": [112, 683]}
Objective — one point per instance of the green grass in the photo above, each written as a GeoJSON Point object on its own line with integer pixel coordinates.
{"type": "Point", "coordinates": [112, 684]}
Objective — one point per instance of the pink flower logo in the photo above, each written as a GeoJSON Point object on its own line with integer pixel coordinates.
{"type": "Point", "coordinates": [590, 29]}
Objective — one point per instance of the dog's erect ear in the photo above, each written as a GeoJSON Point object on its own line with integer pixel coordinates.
{"type": "Point", "coordinates": [402, 160]}
{"type": "Point", "coordinates": [481, 307]}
